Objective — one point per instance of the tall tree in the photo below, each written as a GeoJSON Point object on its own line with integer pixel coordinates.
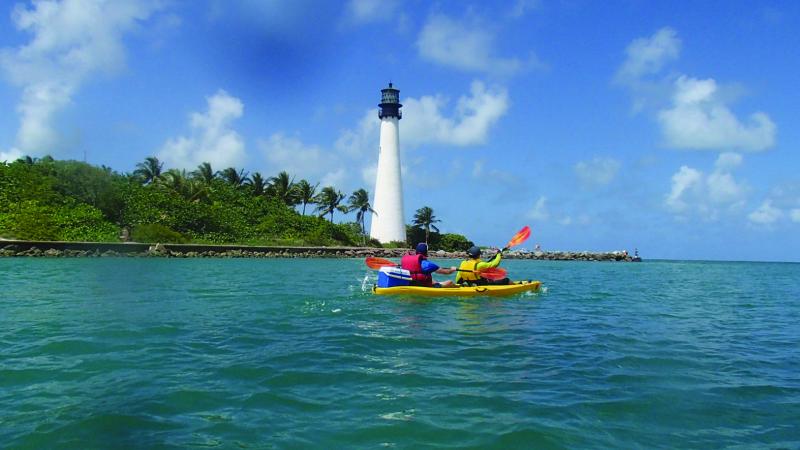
{"type": "Point", "coordinates": [359, 202]}
{"type": "Point", "coordinates": [204, 173]}
{"type": "Point", "coordinates": [425, 219]}
{"type": "Point", "coordinates": [192, 189]}
{"type": "Point", "coordinates": [234, 178]}
{"type": "Point", "coordinates": [257, 184]}
{"type": "Point", "coordinates": [328, 201]}
{"type": "Point", "coordinates": [149, 171]}
{"type": "Point", "coordinates": [282, 187]}
{"type": "Point", "coordinates": [305, 193]}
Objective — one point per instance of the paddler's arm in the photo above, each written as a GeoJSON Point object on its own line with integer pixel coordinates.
{"type": "Point", "coordinates": [494, 262]}
{"type": "Point", "coordinates": [429, 267]}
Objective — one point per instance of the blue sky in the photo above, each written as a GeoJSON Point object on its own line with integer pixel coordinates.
{"type": "Point", "coordinates": [670, 127]}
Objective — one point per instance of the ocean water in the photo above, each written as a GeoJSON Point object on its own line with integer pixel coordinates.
{"type": "Point", "coordinates": [271, 353]}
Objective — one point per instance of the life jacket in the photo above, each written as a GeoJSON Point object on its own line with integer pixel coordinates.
{"type": "Point", "coordinates": [413, 263]}
{"type": "Point", "coordinates": [469, 267]}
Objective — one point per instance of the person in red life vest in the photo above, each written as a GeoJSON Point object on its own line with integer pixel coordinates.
{"type": "Point", "coordinates": [421, 268]}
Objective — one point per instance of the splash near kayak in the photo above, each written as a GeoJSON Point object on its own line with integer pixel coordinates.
{"type": "Point", "coordinates": [462, 291]}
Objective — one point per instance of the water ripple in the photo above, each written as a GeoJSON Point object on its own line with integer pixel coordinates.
{"type": "Point", "coordinates": [222, 353]}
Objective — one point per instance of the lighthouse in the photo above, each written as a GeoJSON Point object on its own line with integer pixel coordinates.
{"type": "Point", "coordinates": [387, 220]}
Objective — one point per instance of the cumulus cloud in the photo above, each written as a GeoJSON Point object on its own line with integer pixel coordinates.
{"type": "Point", "coordinates": [212, 138]}
{"type": "Point", "coordinates": [466, 45]}
{"type": "Point", "coordinates": [425, 119]}
{"type": "Point", "coordinates": [693, 191]}
{"type": "Point", "coordinates": [698, 119]}
{"type": "Point", "coordinates": [766, 214]}
{"type": "Point", "coordinates": [691, 112]}
{"type": "Point", "coordinates": [539, 211]}
{"type": "Point", "coordinates": [71, 41]}
{"type": "Point", "coordinates": [597, 172]}
{"type": "Point", "coordinates": [302, 160]}
{"type": "Point", "coordinates": [647, 56]}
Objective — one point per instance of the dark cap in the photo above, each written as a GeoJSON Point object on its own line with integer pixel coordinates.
{"type": "Point", "coordinates": [474, 251]}
{"type": "Point", "coordinates": [422, 248]}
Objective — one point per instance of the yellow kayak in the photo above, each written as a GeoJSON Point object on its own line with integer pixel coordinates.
{"type": "Point", "coordinates": [500, 290]}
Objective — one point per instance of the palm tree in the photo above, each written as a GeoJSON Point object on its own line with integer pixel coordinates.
{"type": "Point", "coordinates": [192, 189]}
{"type": "Point", "coordinates": [149, 170]}
{"type": "Point", "coordinates": [282, 187]}
{"type": "Point", "coordinates": [204, 173]}
{"type": "Point", "coordinates": [359, 201]}
{"type": "Point", "coordinates": [234, 178]}
{"type": "Point", "coordinates": [328, 201]}
{"type": "Point", "coordinates": [425, 219]}
{"type": "Point", "coordinates": [257, 184]}
{"type": "Point", "coordinates": [305, 193]}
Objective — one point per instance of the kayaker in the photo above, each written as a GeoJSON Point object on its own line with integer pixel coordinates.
{"type": "Point", "coordinates": [468, 276]}
{"type": "Point", "coordinates": [421, 268]}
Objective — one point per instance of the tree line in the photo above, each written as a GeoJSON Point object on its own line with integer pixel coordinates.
{"type": "Point", "coordinates": [48, 199]}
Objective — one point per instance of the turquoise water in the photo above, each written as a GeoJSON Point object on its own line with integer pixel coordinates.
{"type": "Point", "coordinates": [252, 353]}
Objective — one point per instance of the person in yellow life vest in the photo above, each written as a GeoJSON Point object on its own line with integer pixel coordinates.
{"type": "Point", "coordinates": [467, 272]}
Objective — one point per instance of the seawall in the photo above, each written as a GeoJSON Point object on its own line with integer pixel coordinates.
{"type": "Point", "coordinates": [53, 249]}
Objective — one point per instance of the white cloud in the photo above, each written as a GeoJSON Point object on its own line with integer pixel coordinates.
{"type": "Point", "coordinates": [698, 119]}
{"type": "Point", "coordinates": [766, 214]}
{"type": "Point", "coordinates": [212, 139]}
{"type": "Point", "coordinates": [424, 121]}
{"type": "Point", "coordinates": [598, 171]}
{"type": "Point", "coordinates": [11, 155]}
{"type": "Point", "coordinates": [694, 192]}
{"type": "Point", "coordinates": [363, 140]}
{"type": "Point", "coordinates": [683, 181]}
{"type": "Point", "coordinates": [539, 211]}
{"type": "Point", "coordinates": [369, 173]}
{"type": "Point", "coordinates": [71, 40]}
{"type": "Point", "coordinates": [692, 113]}
{"type": "Point", "coordinates": [369, 11]}
{"type": "Point", "coordinates": [647, 56]}
{"type": "Point", "coordinates": [465, 45]}
{"type": "Point", "coordinates": [795, 215]}
{"type": "Point", "coordinates": [301, 160]}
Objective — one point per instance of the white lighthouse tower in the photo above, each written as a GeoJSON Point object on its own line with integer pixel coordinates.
{"type": "Point", "coordinates": [387, 221]}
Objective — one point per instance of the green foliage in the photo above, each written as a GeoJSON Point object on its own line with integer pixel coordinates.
{"type": "Point", "coordinates": [451, 242]}
{"type": "Point", "coordinates": [394, 244]}
{"type": "Point", "coordinates": [46, 199]}
{"type": "Point", "coordinates": [98, 187]}
{"type": "Point", "coordinates": [31, 220]}
{"type": "Point", "coordinates": [155, 233]}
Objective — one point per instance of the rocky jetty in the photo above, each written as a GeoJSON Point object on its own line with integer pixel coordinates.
{"type": "Point", "coordinates": [102, 249]}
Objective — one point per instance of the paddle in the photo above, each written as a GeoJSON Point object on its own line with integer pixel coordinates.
{"type": "Point", "coordinates": [493, 273]}
{"type": "Point", "coordinates": [521, 236]}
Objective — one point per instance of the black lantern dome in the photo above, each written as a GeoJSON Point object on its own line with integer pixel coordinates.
{"type": "Point", "coordinates": [390, 103]}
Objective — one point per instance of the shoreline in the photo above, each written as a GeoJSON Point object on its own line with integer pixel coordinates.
{"type": "Point", "coordinates": [58, 249]}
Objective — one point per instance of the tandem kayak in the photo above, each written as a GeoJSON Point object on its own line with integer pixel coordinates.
{"type": "Point", "coordinates": [499, 290]}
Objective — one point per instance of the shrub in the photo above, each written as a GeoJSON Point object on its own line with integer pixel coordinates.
{"type": "Point", "coordinates": [154, 233]}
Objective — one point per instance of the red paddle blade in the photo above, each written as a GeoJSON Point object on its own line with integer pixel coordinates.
{"type": "Point", "coordinates": [520, 237]}
{"type": "Point", "coordinates": [493, 273]}
{"type": "Point", "coordinates": [376, 263]}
